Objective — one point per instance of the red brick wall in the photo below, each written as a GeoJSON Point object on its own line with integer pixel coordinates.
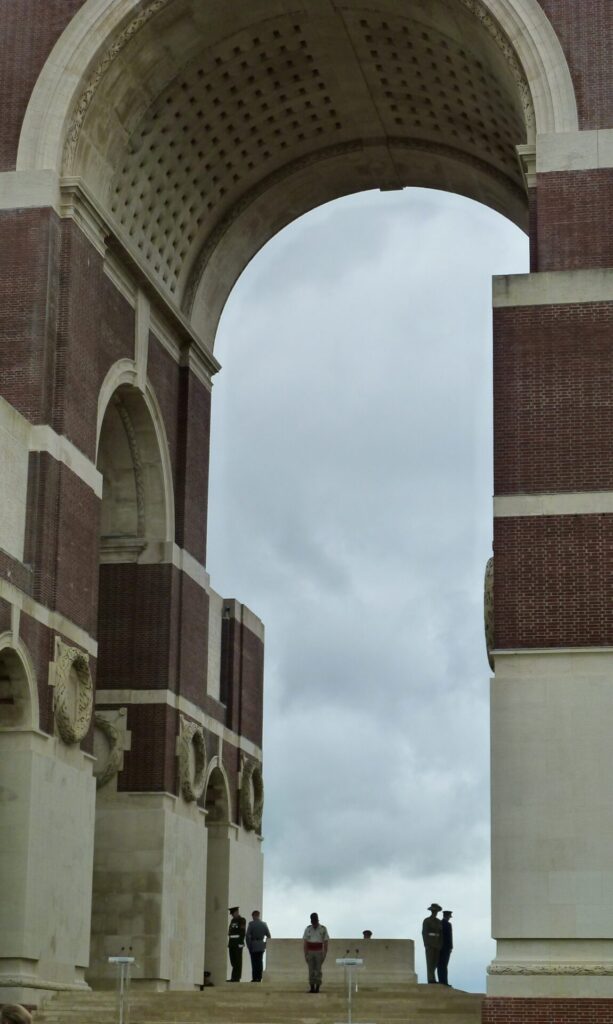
{"type": "Point", "coordinates": [193, 613]}
{"type": "Point", "coordinates": [574, 212]}
{"type": "Point", "coordinates": [62, 323]}
{"type": "Point", "coordinates": [547, 1011]}
{"type": "Point", "coordinates": [585, 30]}
{"type": "Point", "coordinates": [553, 417]}
{"type": "Point", "coordinates": [30, 29]}
{"type": "Point", "coordinates": [95, 329]}
{"type": "Point", "coordinates": [186, 409]}
{"type": "Point", "coordinates": [552, 584]}
{"type": "Point", "coordinates": [137, 641]}
{"type": "Point", "coordinates": [193, 474]}
{"type": "Point", "coordinates": [62, 529]}
{"type": "Point", "coordinates": [242, 671]}
{"type": "Point", "coordinates": [151, 764]}
{"type": "Point", "coordinates": [29, 269]}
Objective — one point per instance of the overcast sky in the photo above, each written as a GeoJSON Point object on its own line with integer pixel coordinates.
{"type": "Point", "coordinates": [351, 510]}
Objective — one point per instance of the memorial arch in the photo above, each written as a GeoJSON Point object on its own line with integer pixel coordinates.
{"type": "Point", "coordinates": [150, 148]}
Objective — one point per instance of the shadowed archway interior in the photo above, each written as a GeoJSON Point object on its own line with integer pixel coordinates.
{"type": "Point", "coordinates": [208, 133]}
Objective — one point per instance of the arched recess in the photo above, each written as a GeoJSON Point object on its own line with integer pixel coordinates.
{"type": "Point", "coordinates": [133, 456]}
{"type": "Point", "coordinates": [18, 692]}
{"type": "Point", "coordinates": [200, 136]}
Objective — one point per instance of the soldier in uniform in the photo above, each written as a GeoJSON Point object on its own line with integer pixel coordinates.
{"type": "Point", "coordinates": [315, 942]}
{"type": "Point", "coordinates": [447, 946]}
{"type": "Point", "coordinates": [236, 941]}
{"type": "Point", "coordinates": [432, 934]}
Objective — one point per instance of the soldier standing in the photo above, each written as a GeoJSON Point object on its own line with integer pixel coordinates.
{"type": "Point", "coordinates": [236, 941]}
{"type": "Point", "coordinates": [432, 934]}
{"type": "Point", "coordinates": [447, 946]}
{"type": "Point", "coordinates": [315, 942]}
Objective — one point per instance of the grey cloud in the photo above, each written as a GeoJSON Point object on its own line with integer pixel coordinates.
{"type": "Point", "coordinates": [351, 508]}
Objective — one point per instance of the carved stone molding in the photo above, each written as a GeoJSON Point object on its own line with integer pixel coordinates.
{"type": "Point", "coordinates": [491, 26]}
{"type": "Point", "coordinates": [488, 610]}
{"type": "Point", "coordinates": [84, 102]}
{"type": "Point", "coordinates": [582, 968]}
{"type": "Point", "coordinates": [112, 725]}
{"type": "Point", "coordinates": [191, 746]}
{"type": "Point", "coordinates": [252, 796]}
{"type": "Point", "coordinates": [73, 698]}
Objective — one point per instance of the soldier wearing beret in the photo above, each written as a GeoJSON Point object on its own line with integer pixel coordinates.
{"type": "Point", "coordinates": [432, 934]}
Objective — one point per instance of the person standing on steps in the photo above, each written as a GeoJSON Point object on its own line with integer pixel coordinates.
{"type": "Point", "coordinates": [447, 946]}
{"type": "Point", "coordinates": [315, 942]}
{"type": "Point", "coordinates": [236, 942]}
{"type": "Point", "coordinates": [257, 933]}
{"type": "Point", "coordinates": [432, 934]}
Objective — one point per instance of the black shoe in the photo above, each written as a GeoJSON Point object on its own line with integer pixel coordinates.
{"type": "Point", "coordinates": [312, 989]}
{"type": "Point", "coordinates": [317, 988]}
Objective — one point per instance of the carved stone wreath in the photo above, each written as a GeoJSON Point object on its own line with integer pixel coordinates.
{"type": "Point", "coordinates": [192, 760]}
{"type": "Point", "coordinates": [72, 718]}
{"type": "Point", "coordinates": [488, 610]}
{"type": "Point", "coordinates": [252, 796]}
{"type": "Point", "coordinates": [114, 760]}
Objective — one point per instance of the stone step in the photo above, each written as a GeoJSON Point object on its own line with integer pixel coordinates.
{"type": "Point", "coordinates": [265, 1004]}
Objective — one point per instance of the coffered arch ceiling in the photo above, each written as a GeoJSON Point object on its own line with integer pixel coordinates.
{"type": "Point", "coordinates": [211, 125]}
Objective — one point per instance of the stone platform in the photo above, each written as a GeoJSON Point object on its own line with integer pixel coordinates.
{"type": "Point", "coordinates": [272, 1004]}
{"type": "Point", "coordinates": [386, 961]}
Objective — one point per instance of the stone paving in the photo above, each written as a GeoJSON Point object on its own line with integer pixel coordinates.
{"type": "Point", "coordinates": [268, 1004]}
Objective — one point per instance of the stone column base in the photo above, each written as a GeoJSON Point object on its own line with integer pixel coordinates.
{"type": "Point", "coordinates": [547, 1011]}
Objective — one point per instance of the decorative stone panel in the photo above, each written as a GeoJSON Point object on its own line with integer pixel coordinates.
{"type": "Point", "coordinates": [73, 698]}
{"type": "Point", "coordinates": [191, 750]}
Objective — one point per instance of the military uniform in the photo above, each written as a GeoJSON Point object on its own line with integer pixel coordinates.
{"type": "Point", "coordinates": [432, 934]}
{"type": "Point", "coordinates": [236, 942]}
{"type": "Point", "coordinates": [315, 940]}
{"type": "Point", "coordinates": [445, 953]}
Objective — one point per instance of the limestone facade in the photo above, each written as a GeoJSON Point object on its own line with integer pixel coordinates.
{"type": "Point", "coordinates": [148, 149]}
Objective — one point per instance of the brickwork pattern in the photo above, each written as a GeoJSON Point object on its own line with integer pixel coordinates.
{"type": "Point", "coordinates": [135, 627]}
{"type": "Point", "coordinates": [193, 468]}
{"type": "Point", "coordinates": [151, 763]}
{"type": "Point", "coordinates": [585, 31]}
{"type": "Point", "coordinates": [552, 585]}
{"type": "Point", "coordinates": [194, 640]}
{"type": "Point", "coordinates": [252, 679]}
{"type": "Point", "coordinates": [62, 527]}
{"type": "Point", "coordinates": [553, 416]}
{"type": "Point", "coordinates": [22, 55]}
{"type": "Point", "coordinates": [16, 573]}
{"type": "Point", "coordinates": [574, 211]}
{"type": "Point", "coordinates": [547, 1011]}
{"type": "Point", "coordinates": [29, 268]}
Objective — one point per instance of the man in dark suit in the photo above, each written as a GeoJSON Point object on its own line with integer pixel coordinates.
{"type": "Point", "coordinates": [447, 946]}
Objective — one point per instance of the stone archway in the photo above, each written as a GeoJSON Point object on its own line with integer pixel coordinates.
{"type": "Point", "coordinates": [163, 144]}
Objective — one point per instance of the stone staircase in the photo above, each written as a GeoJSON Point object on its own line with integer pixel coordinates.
{"type": "Point", "coordinates": [268, 1004]}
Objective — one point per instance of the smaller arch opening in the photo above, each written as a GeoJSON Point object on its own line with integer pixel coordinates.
{"type": "Point", "coordinates": [133, 496]}
{"type": "Point", "coordinates": [15, 701]}
{"type": "Point", "coordinates": [216, 799]}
